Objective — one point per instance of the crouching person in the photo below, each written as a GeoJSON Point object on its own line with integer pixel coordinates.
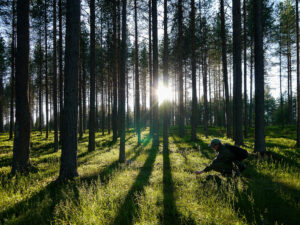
{"type": "Point", "coordinates": [228, 161]}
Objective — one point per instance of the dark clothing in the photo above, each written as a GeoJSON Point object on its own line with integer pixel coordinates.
{"type": "Point", "coordinates": [225, 162]}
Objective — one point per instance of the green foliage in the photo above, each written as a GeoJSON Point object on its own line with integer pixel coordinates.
{"type": "Point", "coordinates": [152, 187]}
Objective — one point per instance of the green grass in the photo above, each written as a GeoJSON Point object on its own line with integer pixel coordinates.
{"type": "Point", "coordinates": [153, 187]}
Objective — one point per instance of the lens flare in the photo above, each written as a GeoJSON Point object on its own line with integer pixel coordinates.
{"type": "Point", "coordinates": [163, 93]}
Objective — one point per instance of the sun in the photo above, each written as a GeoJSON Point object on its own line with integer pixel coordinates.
{"type": "Point", "coordinates": [164, 93]}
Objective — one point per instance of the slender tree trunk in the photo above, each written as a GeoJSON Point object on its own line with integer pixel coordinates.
{"type": "Point", "coordinates": [150, 69]}
{"type": "Point", "coordinates": [245, 72]}
{"type": "Point", "coordinates": [205, 117]}
{"type": "Point", "coordinates": [21, 150]}
{"type": "Point", "coordinates": [251, 86]}
{"type": "Point", "coordinates": [122, 82]}
{"type": "Point", "coordinates": [40, 83]}
{"type": "Point", "coordinates": [55, 119]}
{"type": "Point", "coordinates": [92, 78]}
{"type": "Point", "coordinates": [12, 81]}
{"type": "Point", "coordinates": [102, 80]}
{"type": "Point", "coordinates": [259, 145]}
{"type": "Point", "coordinates": [180, 43]}
{"type": "Point", "coordinates": [237, 74]}
{"type": "Point", "coordinates": [60, 66]}
{"type": "Point", "coordinates": [80, 97]}
{"type": "Point", "coordinates": [127, 94]}
{"type": "Point", "coordinates": [225, 73]}
{"type": "Point", "coordinates": [155, 141]}
{"type": "Point", "coordinates": [83, 86]}
{"type": "Point", "coordinates": [2, 68]}
{"type": "Point", "coordinates": [165, 78]}
{"type": "Point", "coordinates": [298, 76]}
{"type": "Point", "coordinates": [194, 81]}
{"type": "Point", "coordinates": [46, 71]}
{"type": "Point", "coordinates": [137, 78]}
{"type": "Point", "coordinates": [68, 166]}
{"type": "Point", "coordinates": [115, 75]}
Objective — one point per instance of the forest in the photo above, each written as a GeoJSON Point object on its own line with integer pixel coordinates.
{"type": "Point", "coordinates": [149, 112]}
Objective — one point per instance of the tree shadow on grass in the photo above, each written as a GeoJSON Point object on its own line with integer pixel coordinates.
{"type": "Point", "coordinates": [129, 207]}
{"type": "Point", "coordinates": [171, 214]}
{"type": "Point", "coordinates": [268, 202]}
{"type": "Point", "coordinates": [39, 207]}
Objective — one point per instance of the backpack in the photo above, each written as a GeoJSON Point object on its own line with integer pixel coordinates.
{"type": "Point", "coordinates": [239, 153]}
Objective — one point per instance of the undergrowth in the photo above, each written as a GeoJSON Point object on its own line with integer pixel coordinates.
{"type": "Point", "coordinates": [153, 186]}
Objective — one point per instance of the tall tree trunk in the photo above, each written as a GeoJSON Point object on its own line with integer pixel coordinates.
{"type": "Point", "coordinates": [122, 82]}
{"type": "Point", "coordinates": [298, 76]}
{"type": "Point", "coordinates": [92, 78]}
{"type": "Point", "coordinates": [127, 94]}
{"type": "Point", "coordinates": [155, 141]}
{"type": "Point", "coordinates": [83, 86]}
{"type": "Point", "coordinates": [21, 150]}
{"type": "Point", "coordinates": [80, 97]}
{"type": "Point", "coordinates": [194, 81]}
{"type": "Point", "coordinates": [251, 85]}
{"type": "Point", "coordinates": [225, 73]}
{"type": "Point", "coordinates": [102, 80]}
{"type": "Point", "coordinates": [237, 74]}
{"type": "Point", "coordinates": [60, 65]}
{"type": "Point", "coordinates": [260, 145]}
{"type": "Point", "coordinates": [2, 68]}
{"type": "Point", "coordinates": [180, 43]}
{"type": "Point", "coordinates": [166, 78]}
{"type": "Point", "coordinates": [46, 71]}
{"type": "Point", "coordinates": [40, 82]}
{"type": "Point", "coordinates": [245, 71]}
{"type": "Point", "coordinates": [68, 166]}
{"type": "Point", "coordinates": [115, 75]}
{"type": "Point", "coordinates": [55, 119]}
{"type": "Point", "coordinates": [137, 78]}
{"type": "Point", "coordinates": [12, 81]}
{"type": "Point", "coordinates": [204, 71]}
{"type": "Point", "coordinates": [150, 70]}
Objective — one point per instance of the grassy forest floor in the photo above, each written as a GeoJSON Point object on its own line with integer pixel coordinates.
{"type": "Point", "coordinates": [153, 187]}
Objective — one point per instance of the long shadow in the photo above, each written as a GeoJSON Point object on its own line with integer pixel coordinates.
{"type": "Point", "coordinates": [270, 202]}
{"type": "Point", "coordinates": [55, 192]}
{"type": "Point", "coordinates": [129, 207]}
{"type": "Point", "coordinates": [171, 214]}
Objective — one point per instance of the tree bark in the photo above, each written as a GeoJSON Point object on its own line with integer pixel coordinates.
{"type": "Point", "coordinates": [12, 81]}
{"type": "Point", "coordinates": [122, 156]}
{"type": "Point", "coordinates": [204, 71]}
{"type": "Point", "coordinates": [68, 166]}
{"type": "Point", "coordinates": [115, 75]}
{"type": "Point", "coordinates": [194, 81]}
{"type": "Point", "coordinates": [21, 150]}
{"type": "Point", "coordinates": [237, 74]}
{"type": "Point", "coordinates": [60, 70]}
{"type": "Point", "coordinates": [2, 69]}
{"type": "Point", "coordinates": [245, 72]}
{"type": "Point", "coordinates": [91, 146]}
{"type": "Point", "coordinates": [40, 83]}
{"type": "Point", "coordinates": [166, 78]}
{"type": "Point", "coordinates": [150, 70]}
{"type": "Point", "coordinates": [225, 73]}
{"type": "Point", "coordinates": [180, 77]}
{"type": "Point", "coordinates": [55, 119]}
{"type": "Point", "coordinates": [137, 78]}
{"type": "Point", "coordinates": [155, 141]}
{"type": "Point", "coordinates": [298, 76]}
{"type": "Point", "coordinates": [259, 145]}
{"type": "Point", "coordinates": [46, 72]}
